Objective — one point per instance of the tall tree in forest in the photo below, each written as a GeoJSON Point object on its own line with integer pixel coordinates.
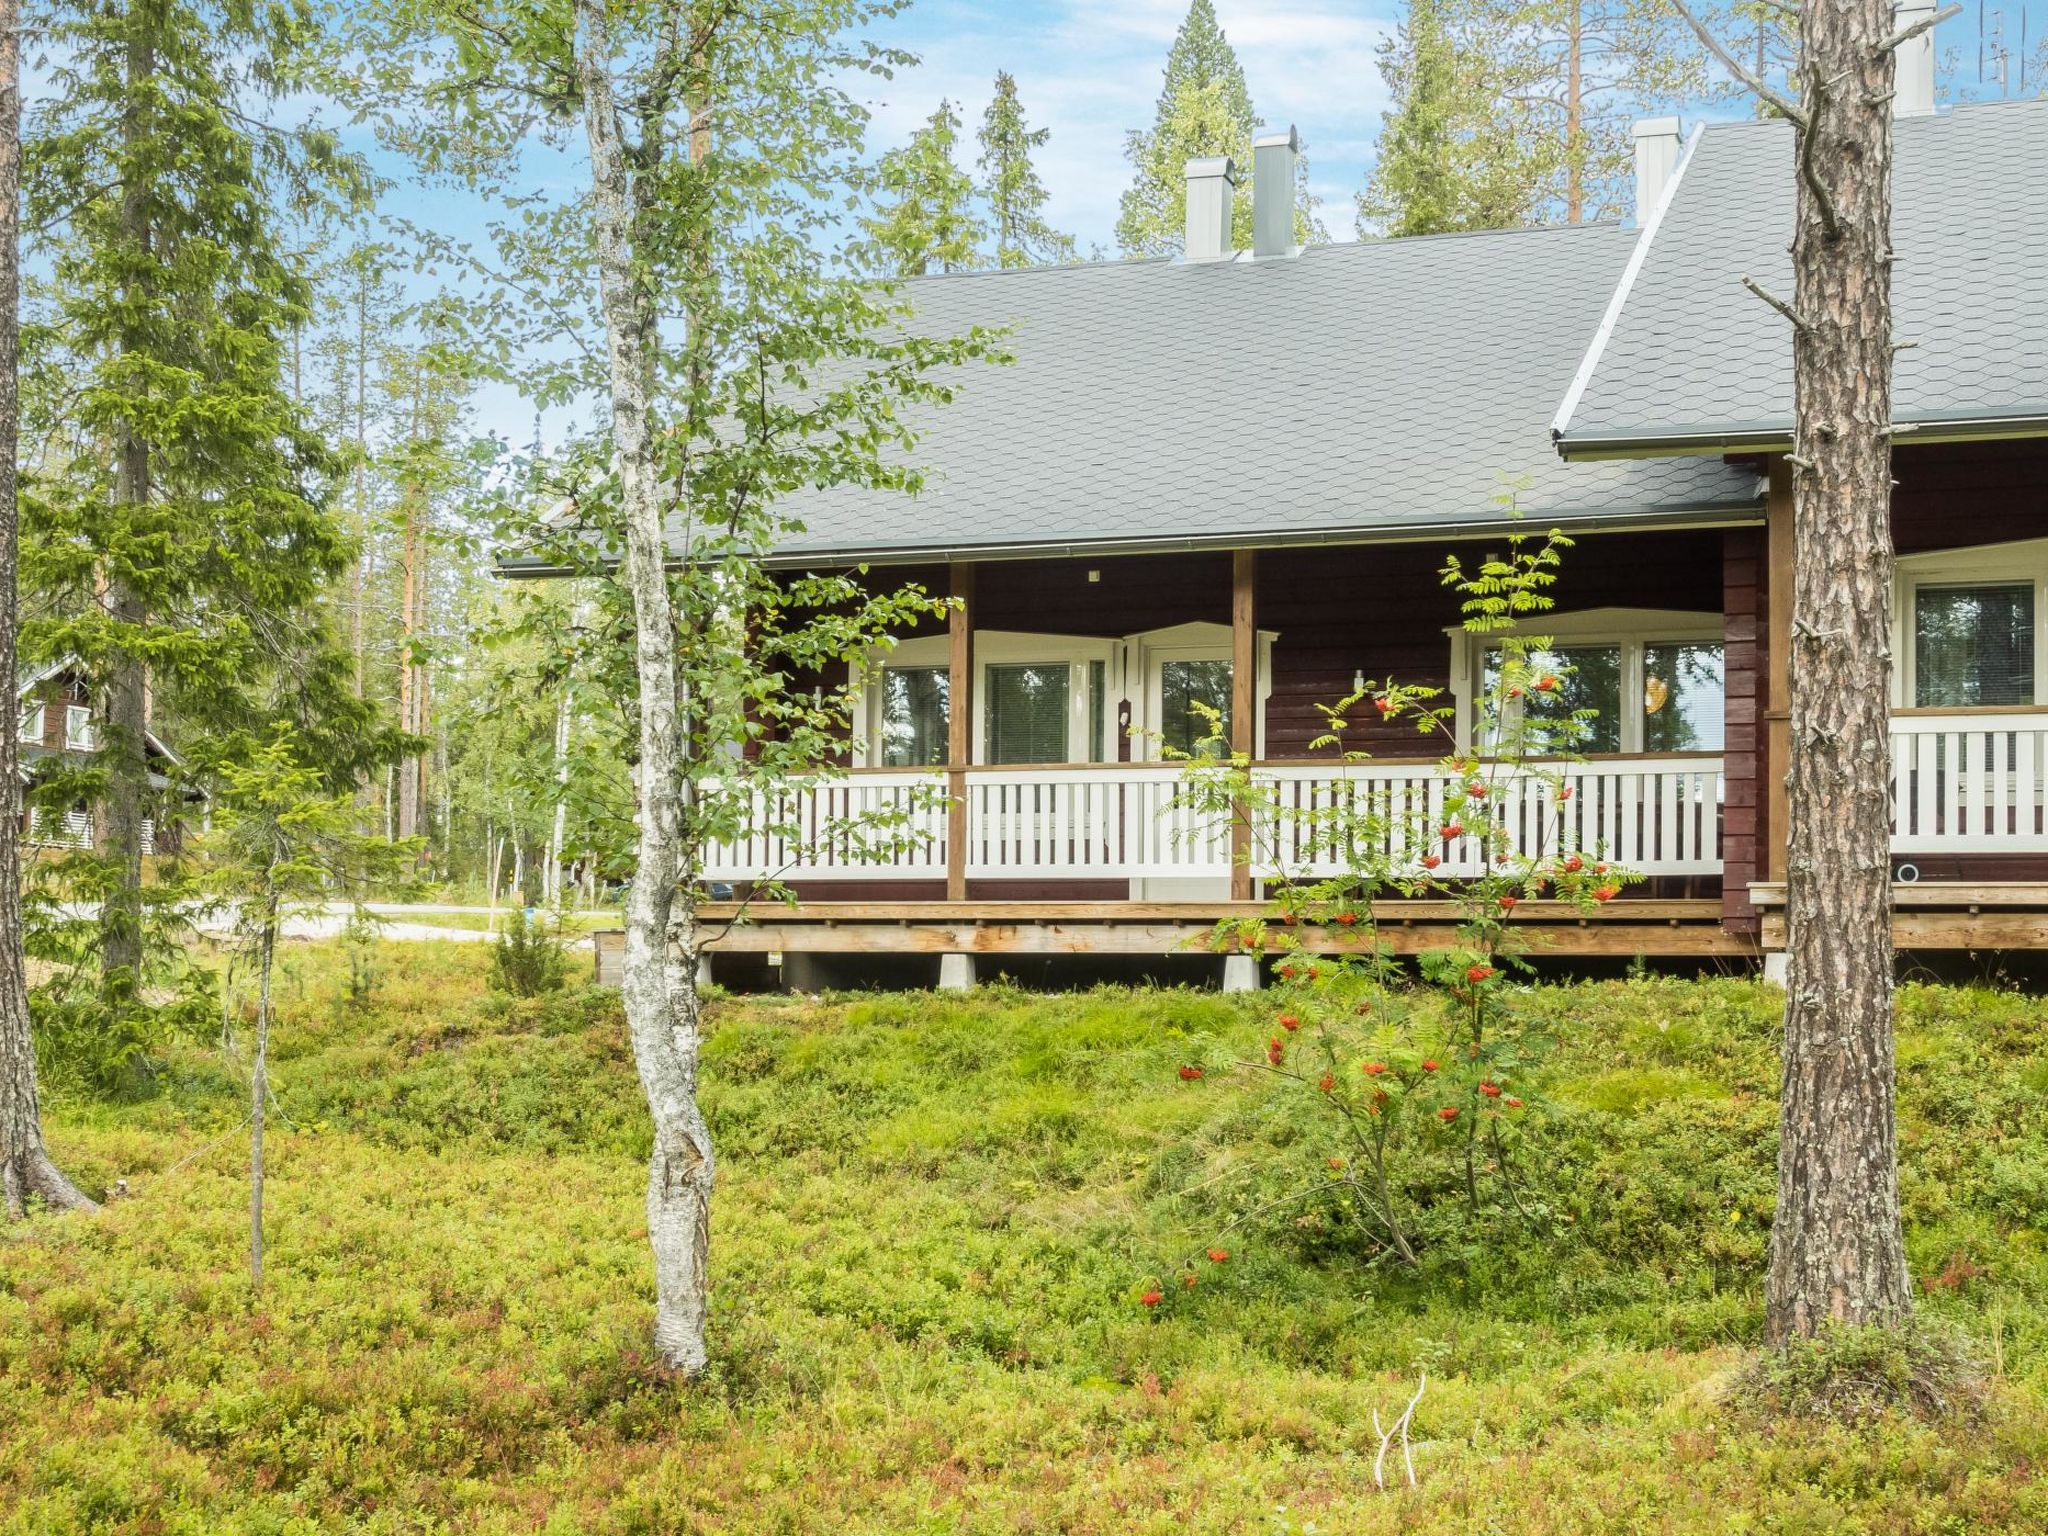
{"type": "Point", "coordinates": [1016, 197]}
{"type": "Point", "coordinates": [1837, 1247]}
{"type": "Point", "coordinates": [1452, 154]}
{"type": "Point", "coordinates": [925, 221]}
{"type": "Point", "coordinates": [178, 548]}
{"type": "Point", "coordinates": [714, 135]}
{"type": "Point", "coordinates": [1582, 70]}
{"type": "Point", "coordinates": [1205, 108]}
{"type": "Point", "coordinates": [1516, 111]}
{"type": "Point", "coordinates": [26, 1170]}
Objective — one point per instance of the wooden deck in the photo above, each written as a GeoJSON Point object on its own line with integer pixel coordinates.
{"type": "Point", "coordinates": [1651, 928]}
{"type": "Point", "coordinates": [1996, 914]}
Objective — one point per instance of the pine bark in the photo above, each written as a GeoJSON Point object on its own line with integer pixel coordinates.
{"type": "Point", "coordinates": [658, 981]}
{"type": "Point", "coordinates": [26, 1170]}
{"type": "Point", "coordinates": [1837, 1252]}
{"type": "Point", "coordinates": [259, 1091]}
{"type": "Point", "coordinates": [408, 668]}
{"type": "Point", "coordinates": [124, 708]}
{"type": "Point", "coordinates": [362, 481]}
{"type": "Point", "coordinates": [1575, 117]}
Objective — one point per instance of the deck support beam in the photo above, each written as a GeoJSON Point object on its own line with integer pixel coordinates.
{"type": "Point", "coordinates": [1244, 695]}
{"type": "Point", "coordinates": [956, 973]}
{"type": "Point", "coordinates": [1241, 973]}
{"type": "Point", "coordinates": [959, 725]}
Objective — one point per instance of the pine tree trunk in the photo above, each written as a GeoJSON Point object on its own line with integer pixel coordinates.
{"type": "Point", "coordinates": [124, 710]}
{"type": "Point", "coordinates": [26, 1171]}
{"type": "Point", "coordinates": [1575, 118]}
{"type": "Point", "coordinates": [659, 981]}
{"type": "Point", "coordinates": [1836, 1246]}
{"type": "Point", "coordinates": [408, 671]}
{"type": "Point", "coordinates": [259, 1091]}
{"type": "Point", "coordinates": [362, 481]}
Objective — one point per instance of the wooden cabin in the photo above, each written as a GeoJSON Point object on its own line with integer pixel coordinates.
{"type": "Point", "coordinates": [1232, 479]}
{"type": "Point", "coordinates": [56, 722]}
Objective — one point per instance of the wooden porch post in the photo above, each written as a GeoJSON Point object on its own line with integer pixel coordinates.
{"type": "Point", "coordinates": [1777, 747]}
{"type": "Point", "coordinates": [959, 726]}
{"type": "Point", "coordinates": [1243, 702]}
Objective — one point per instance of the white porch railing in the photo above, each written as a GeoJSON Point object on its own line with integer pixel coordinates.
{"type": "Point", "coordinates": [1657, 815]}
{"type": "Point", "coordinates": [1970, 783]}
{"type": "Point", "coordinates": [867, 825]}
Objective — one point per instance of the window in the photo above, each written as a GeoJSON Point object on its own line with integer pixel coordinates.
{"type": "Point", "coordinates": [1588, 677]}
{"type": "Point", "coordinates": [1098, 696]}
{"type": "Point", "coordinates": [1188, 691]}
{"type": "Point", "coordinates": [1973, 645]}
{"type": "Point", "coordinates": [1652, 680]}
{"type": "Point", "coordinates": [915, 706]}
{"type": "Point", "coordinates": [78, 727]}
{"type": "Point", "coordinates": [1685, 697]}
{"type": "Point", "coordinates": [30, 726]}
{"type": "Point", "coordinates": [1025, 712]}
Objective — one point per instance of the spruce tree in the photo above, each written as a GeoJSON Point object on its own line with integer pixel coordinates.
{"type": "Point", "coordinates": [926, 222]}
{"type": "Point", "coordinates": [1205, 108]}
{"type": "Point", "coordinates": [1016, 197]}
{"type": "Point", "coordinates": [1452, 155]}
{"type": "Point", "coordinates": [175, 543]}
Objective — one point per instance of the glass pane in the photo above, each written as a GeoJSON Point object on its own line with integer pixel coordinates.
{"type": "Point", "coordinates": [1973, 645]}
{"type": "Point", "coordinates": [1588, 677]}
{"type": "Point", "coordinates": [1182, 686]}
{"type": "Point", "coordinates": [1025, 718]}
{"type": "Point", "coordinates": [1684, 694]}
{"type": "Point", "coordinates": [914, 711]}
{"type": "Point", "coordinates": [1098, 675]}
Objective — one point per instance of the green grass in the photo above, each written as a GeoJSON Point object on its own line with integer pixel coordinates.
{"type": "Point", "coordinates": [934, 1216]}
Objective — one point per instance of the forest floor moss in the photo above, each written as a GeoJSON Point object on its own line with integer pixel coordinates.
{"type": "Point", "coordinates": [934, 1217]}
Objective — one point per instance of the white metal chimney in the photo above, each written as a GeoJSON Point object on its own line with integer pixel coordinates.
{"type": "Point", "coordinates": [1913, 84]}
{"type": "Point", "coordinates": [1657, 143]}
{"type": "Point", "coordinates": [1274, 157]}
{"type": "Point", "coordinates": [1210, 183]}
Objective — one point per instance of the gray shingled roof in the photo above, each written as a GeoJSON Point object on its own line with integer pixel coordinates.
{"type": "Point", "coordinates": [1693, 360]}
{"type": "Point", "coordinates": [1373, 390]}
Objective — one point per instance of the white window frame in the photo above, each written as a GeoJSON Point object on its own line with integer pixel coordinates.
{"type": "Point", "coordinates": [1154, 648]}
{"type": "Point", "coordinates": [78, 728]}
{"type": "Point", "coordinates": [1630, 628]}
{"type": "Point", "coordinates": [29, 724]}
{"type": "Point", "coordinates": [996, 647]}
{"type": "Point", "coordinates": [2014, 564]}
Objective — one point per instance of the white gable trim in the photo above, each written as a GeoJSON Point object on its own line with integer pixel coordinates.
{"type": "Point", "coordinates": [1563, 420]}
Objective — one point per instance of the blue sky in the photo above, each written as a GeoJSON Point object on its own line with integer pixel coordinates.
{"type": "Point", "coordinates": [1090, 69]}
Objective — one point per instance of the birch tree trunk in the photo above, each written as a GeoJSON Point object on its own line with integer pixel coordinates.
{"type": "Point", "coordinates": [658, 983]}
{"type": "Point", "coordinates": [1836, 1246]}
{"type": "Point", "coordinates": [26, 1171]}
